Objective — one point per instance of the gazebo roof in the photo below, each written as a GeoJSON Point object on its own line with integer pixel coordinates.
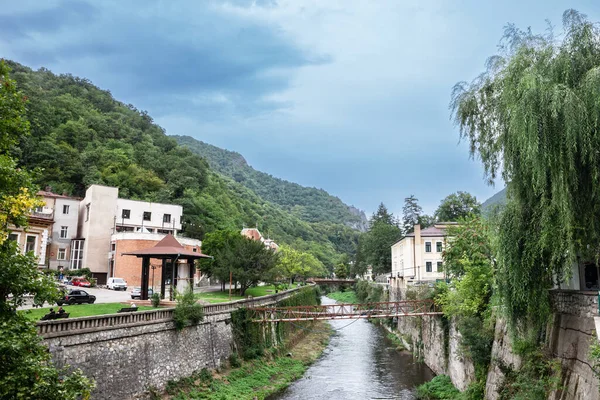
{"type": "Point", "coordinates": [168, 247]}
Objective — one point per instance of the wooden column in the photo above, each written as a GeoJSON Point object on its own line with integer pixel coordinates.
{"type": "Point", "coordinates": [163, 278]}
{"type": "Point", "coordinates": [145, 277]}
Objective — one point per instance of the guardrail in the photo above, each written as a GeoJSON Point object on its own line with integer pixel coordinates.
{"type": "Point", "coordinates": [73, 326]}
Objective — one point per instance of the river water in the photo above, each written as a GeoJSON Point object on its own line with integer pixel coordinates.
{"type": "Point", "coordinates": [359, 363]}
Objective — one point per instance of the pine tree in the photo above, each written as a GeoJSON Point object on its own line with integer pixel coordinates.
{"type": "Point", "coordinates": [411, 213]}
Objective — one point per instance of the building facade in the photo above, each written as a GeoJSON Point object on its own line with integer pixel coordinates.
{"type": "Point", "coordinates": [254, 234]}
{"type": "Point", "coordinates": [102, 213]}
{"type": "Point", "coordinates": [417, 257]}
{"type": "Point", "coordinates": [35, 237]}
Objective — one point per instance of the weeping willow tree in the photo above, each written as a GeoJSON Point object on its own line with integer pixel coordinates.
{"type": "Point", "coordinates": [533, 118]}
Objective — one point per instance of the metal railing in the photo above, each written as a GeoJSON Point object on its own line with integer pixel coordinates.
{"type": "Point", "coordinates": [73, 326]}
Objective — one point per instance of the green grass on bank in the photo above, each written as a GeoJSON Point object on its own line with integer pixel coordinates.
{"type": "Point", "coordinates": [439, 388]}
{"type": "Point", "coordinates": [80, 310]}
{"type": "Point", "coordinates": [221, 297]}
{"type": "Point", "coordinates": [348, 297]}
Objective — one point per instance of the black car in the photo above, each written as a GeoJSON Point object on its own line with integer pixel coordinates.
{"type": "Point", "coordinates": [77, 297]}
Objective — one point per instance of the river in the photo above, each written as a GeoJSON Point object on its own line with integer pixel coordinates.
{"type": "Point", "coordinates": [359, 363]}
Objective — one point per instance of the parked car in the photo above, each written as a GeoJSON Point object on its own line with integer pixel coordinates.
{"type": "Point", "coordinates": [66, 280]}
{"type": "Point", "coordinates": [116, 284]}
{"type": "Point", "coordinates": [83, 282]}
{"type": "Point", "coordinates": [136, 292]}
{"type": "Point", "coordinates": [77, 296]}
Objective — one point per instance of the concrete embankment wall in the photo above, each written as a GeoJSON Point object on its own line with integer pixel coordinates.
{"type": "Point", "coordinates": [569, 334]}
{"type": "Point", "coordinates": [128, 354]}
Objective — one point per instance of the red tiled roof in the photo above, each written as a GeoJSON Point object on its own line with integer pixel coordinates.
{"type": "Point", "coordinates": [167, 247]}
{"type": "Point", "coordinates": [58, 196]}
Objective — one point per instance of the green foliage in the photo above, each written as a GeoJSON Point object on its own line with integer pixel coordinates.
{"type": "Point", "coordinates": [155, 300]}
{"type": "Point", "coordinates": [249, 261]}
{"type": "Point", "coordinates": [234, 361]}
{"type": "Point", "coordinates": [367, 292]}
{"type": "Point", "coordinates": [470, 242]}
{"type": "Point", "coordinates": [439, 388]}
{"type": "Point", "coordinates": [188, 310]}
{"type": "Point", "coordinates": [375, 244]}
{"type": "Point", "coordinates": [348, 297]}
{"type": "Point", "coordinates": [594, 356]}
{"type": "Point", "coordinates": [457, 206]}
{"type": "Point", "coordinates": [410, 214]}
{"type": "Point", "coordinates": [396, 341]}
{"type": "Point", "coordinates": [293, 264]}
{"type": "Point", "coordinates": [533, 118]}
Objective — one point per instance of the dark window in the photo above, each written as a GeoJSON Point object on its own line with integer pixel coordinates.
{"type": "Point", "coordinates": [87, 212]}
{"type": "Point", "coordinates": [65, 209]}
{"type": "Point", "coordinates": [13, 236]}
{"type": "Point", "coordinates": [147, 215]}
{"type": "Point", "coordinates": [167, 218]}
{"type": "Point", "coordinates": [438, 247]}
{"type": "Point", "coordinates": [125, 214]}
{"type": "Point", "coordinates": [427, 247]}
{"type": "Point", "coordinates": [113, 246]}
{"type": "Point", "coordinates": [428, 266]}
{"type": "Point", "coordinates": [440, 266]}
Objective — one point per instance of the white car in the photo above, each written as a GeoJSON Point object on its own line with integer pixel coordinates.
{"type": "Point", "coordinates": [116, 284]}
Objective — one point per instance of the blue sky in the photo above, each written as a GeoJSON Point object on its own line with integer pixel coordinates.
{"type": "Point", "coordinates": [346, 95]}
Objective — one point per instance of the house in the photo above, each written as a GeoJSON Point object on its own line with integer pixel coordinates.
{"type": "Point", "coordinates": [65, 216]}
{"type": "Point", "coordinates": [417, 257]}
{"type": "Point", "coordinates": [254, 234]}
{"type": "Point", "coordinates": [102, 214]}
{"type": "Point", "coordinates": [34, 238]}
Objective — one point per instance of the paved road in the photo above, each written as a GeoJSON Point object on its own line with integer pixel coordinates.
{"type": "Point", "coordinates": [102, 296]}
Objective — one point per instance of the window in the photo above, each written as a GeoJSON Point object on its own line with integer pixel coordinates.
{"type": "Point", "coordinates": [30, 244]}
{"type": "Point", "coordinates": [76, 254]}
{"type": "Point", "coordinates": [87, 212]}
{"type": "Point", "coordinates": [113, 246]}
{"type": "Point", "coordinates": [428, 266]}
{"type": "Point", "coordinates": [125, 214]}
{"type": "Point", "coordinates": [194, 249]}
{"type": "Point", "coordinates": [427, 247]}
{"type": "Point", "coordinates": [62, 254]}
{"type": "Point", "coordinates": [167, 218]}
{"type": "Point", "coordinates": [13, 236]}
{"type": "Point", "coordinates": [165, 231]}
{"type": "Point", "coordinates": [65, 208]}
{"type": "Point", "coordinates": [147, 215]}
{"type": "Point", "coordinates": [440, 266]}
{"type": "Point", "coordinates": [438, 247]}
{"type": "Point", "coordinates": [39, 209]}
{"type": "Point", "coordinates": [64, 232]}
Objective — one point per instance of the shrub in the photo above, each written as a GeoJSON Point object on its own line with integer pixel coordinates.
{"type": "Point", "coordinates": [234, 361]}
{"type": "Point", "coordinates": [439, 388]}
{"type": "Point", "coordinates": [155, 299]}
{"type": "Point", "coordinates": [187, 310]}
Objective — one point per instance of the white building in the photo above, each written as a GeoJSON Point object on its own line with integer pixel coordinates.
{"type": "Point", "coordinates": [102, 213]}
{"type": "Point", "coordinates": [417, 257]}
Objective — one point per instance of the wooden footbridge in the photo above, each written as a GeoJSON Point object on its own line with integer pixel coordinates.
{"type": "Point", "coordinates": [390, 309]}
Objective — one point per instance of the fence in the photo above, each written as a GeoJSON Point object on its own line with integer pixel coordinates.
{"type": "Point", "coordinates": [74, 326]}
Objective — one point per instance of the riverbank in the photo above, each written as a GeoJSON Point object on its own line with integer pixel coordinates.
{"type": "Point", "coordinates": [255, 379]}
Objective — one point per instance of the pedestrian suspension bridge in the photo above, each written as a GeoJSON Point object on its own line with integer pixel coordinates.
{"type": "Point", "coordinates": [389, 309]}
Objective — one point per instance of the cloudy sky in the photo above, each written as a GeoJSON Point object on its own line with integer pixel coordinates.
{"type": "Point", "coordinates": [346, 95]}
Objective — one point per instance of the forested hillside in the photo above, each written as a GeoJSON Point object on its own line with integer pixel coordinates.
{"type": "Point", "coordinates": [308, 204]}
{"type": "Point", "coordinates": [80, 135]}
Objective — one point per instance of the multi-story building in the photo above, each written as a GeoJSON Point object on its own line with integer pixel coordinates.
{"type": "Point", "coordinates": [34, 238]}
{"type": "Point", "coordinates": [417, 257]}
{"type": "Point", "coordinates": [102, 213]}
{"type": "Point", "coordinates": [65, 216]}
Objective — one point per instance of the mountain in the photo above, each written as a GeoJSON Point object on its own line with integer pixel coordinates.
{"type": "Point", "coordinates": [498, 199]}
{"type": "Point", "coordinates": [80, 135]}
{"type": "Point", "coordinates": [308, 204]}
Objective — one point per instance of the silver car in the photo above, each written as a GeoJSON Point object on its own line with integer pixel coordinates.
{"type": "Point", "coordinates": [136, 292]}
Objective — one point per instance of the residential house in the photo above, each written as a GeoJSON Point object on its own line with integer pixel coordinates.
{"type": "Point", "coordinates": [417, 257]}
{"type": "Point", "coordinates": [35, 236]}
{"type": "Point", "coordinates": [254, 234]}
{"type": "Point", "coordinates": [65, 215]}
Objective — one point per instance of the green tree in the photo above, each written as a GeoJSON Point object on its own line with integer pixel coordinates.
{"type": "Point", "coordinates": [293, 264]}
{"type": "Point", "coordinates": [533, 118]}
{"type": "Point", "coordinates": [26, 369]}
{"type": "Point", "coordinates": [341, 271]}
{"type": "Point", "coordinates": [375, 244]}
{"type": "Point", "coordinates": [457, 205]}
{"type": "Point", "coordinates": [410, 213]}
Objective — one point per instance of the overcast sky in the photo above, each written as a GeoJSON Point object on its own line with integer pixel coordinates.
{"type": "Point", "coordinates": [349, 96]}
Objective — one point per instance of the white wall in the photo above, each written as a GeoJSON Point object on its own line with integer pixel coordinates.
{"type": "Point", "coordinates": [69, 220]}
{"type": "Point", "coordinates": [158, 210]}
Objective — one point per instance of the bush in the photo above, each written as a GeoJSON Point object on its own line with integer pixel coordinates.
{"type": "Point", "coordinates": [234, 361]}
{"type": "Point", "coordinates": [187, 310]}
{"type": "Point", "coordinates": [155, 300]}
{"type": "Point", "coordinates": [439, 388]}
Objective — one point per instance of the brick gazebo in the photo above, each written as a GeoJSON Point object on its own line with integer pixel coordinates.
{"type": "Point", "coordinates": [170, 251]}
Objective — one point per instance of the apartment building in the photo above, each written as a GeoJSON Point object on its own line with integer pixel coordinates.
{"type": "Point", "coordinates": [102, 214]}
{"type": "Point", "coordinates": [417, 257]}
{"type": "Point", "coordinates": [34, 238]}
